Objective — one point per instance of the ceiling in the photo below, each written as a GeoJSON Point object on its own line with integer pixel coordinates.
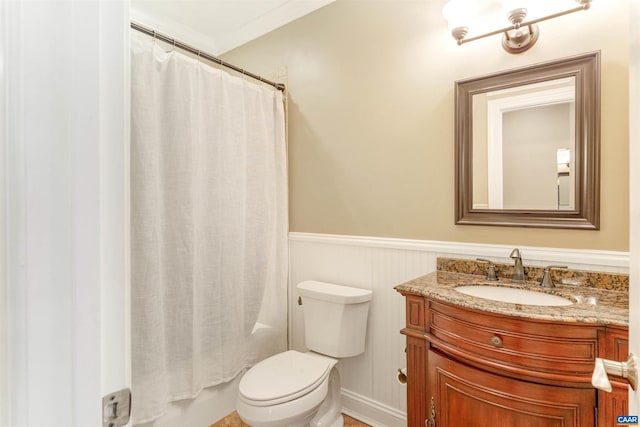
{"type": "Point", "coordinates": [217, 26]}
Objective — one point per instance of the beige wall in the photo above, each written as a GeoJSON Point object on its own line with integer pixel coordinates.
{"type": "Point", "coordinates": [371, 104]}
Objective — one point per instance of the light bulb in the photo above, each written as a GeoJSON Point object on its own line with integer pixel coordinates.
{"type": "Point", "coordinates": [459, 13]}
{"type": "Point", "coordinates": [563, 156]}
{"type": "Point", "coordinates": [509, 5]}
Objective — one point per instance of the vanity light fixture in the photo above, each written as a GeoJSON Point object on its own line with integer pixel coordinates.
{"type": "Point", "coordinates": [520, 36]}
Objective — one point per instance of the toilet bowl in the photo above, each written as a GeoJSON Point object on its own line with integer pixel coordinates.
{"type": "Point", "coordinates": [294, 389]}
{"type": "Point", "coordinates": [288, 390]}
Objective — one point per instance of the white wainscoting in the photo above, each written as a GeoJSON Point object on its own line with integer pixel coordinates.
{"type": "Point", "coordinates": [370, 390]}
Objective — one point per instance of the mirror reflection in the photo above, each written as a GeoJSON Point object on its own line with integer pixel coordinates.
{"type": "Point", "coordinates": [524, 147]}
{"type": "Point", "coordinates": [528, 146]}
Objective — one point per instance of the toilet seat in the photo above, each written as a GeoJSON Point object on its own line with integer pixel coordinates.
{"type": "Point", "coordinates": [284, 377]}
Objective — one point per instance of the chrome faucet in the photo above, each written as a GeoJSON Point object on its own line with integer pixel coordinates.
{"type": "Point", "coordinates": [518, 268]}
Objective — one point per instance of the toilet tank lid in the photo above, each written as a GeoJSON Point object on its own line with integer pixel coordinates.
{"type": "Point", "coordinates": [333, 293]}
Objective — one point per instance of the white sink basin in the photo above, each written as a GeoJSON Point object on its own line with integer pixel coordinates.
{"type": "Point", "coordinates": [513, 295]}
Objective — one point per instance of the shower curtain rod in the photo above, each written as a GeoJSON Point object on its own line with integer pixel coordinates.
{"type": "Point", "coordinates": [201, 54]}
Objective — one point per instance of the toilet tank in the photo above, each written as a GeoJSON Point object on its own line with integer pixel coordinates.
{"type": "Point", "coordinates": [335, 318]}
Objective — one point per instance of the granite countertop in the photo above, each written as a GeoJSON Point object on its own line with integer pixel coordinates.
{"type": "Point", "coordinates": [591, 305]}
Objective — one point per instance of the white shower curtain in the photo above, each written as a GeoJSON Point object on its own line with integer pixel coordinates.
{"type": "Point", "coordinates": [209, 226]}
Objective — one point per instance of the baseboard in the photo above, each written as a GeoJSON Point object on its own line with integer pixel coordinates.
{"type": "Point", "coordinates": [369, 411]}
{"type": "Point", "coordinates": [597, 260]}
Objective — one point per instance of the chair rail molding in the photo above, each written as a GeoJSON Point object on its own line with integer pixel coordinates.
{"type": "Point", "coordinates": [591, 259]}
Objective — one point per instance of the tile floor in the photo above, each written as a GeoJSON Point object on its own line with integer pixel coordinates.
{"type": "Point", "coordinates": [233, 420]}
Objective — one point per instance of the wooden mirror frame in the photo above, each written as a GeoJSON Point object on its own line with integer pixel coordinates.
{"type": "Point", "coordinates": [586, 213]}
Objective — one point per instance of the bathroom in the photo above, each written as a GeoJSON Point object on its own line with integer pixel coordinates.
{"type": "Point", "coordinates": [371, 183]}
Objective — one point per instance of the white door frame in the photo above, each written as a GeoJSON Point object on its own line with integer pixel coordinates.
{"type": "Point", "coordinates": [64, 200]}
{"type": "Point", "coordinates": [634, 195]}
{"type": "Point", "coordinates": [4, 306]}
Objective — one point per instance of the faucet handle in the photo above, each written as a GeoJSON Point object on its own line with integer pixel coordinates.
{"type": "Point", "coordinates": [491, 270]}
{"type": "Point", "coordinates": [546, 281]}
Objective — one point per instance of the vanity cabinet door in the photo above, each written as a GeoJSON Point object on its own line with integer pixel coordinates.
{"type": "Point", "coordinates": [466, 396]}
{"type": "Point", "coordinates": [614, 345]}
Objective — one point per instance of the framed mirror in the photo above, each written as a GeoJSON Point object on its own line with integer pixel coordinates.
{"type": "Point", "coordinates": [528, 146]}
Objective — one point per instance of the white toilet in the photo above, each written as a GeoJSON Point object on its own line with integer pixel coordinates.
{"type": "Point", "coordinates": [294, 389]}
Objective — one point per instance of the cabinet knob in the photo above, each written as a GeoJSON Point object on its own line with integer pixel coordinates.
{"type": "Point", "coordinates": [496, 341]}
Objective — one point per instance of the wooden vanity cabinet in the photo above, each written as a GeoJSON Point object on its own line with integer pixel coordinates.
{"type": "Point", "coordinates": [470, 367]}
